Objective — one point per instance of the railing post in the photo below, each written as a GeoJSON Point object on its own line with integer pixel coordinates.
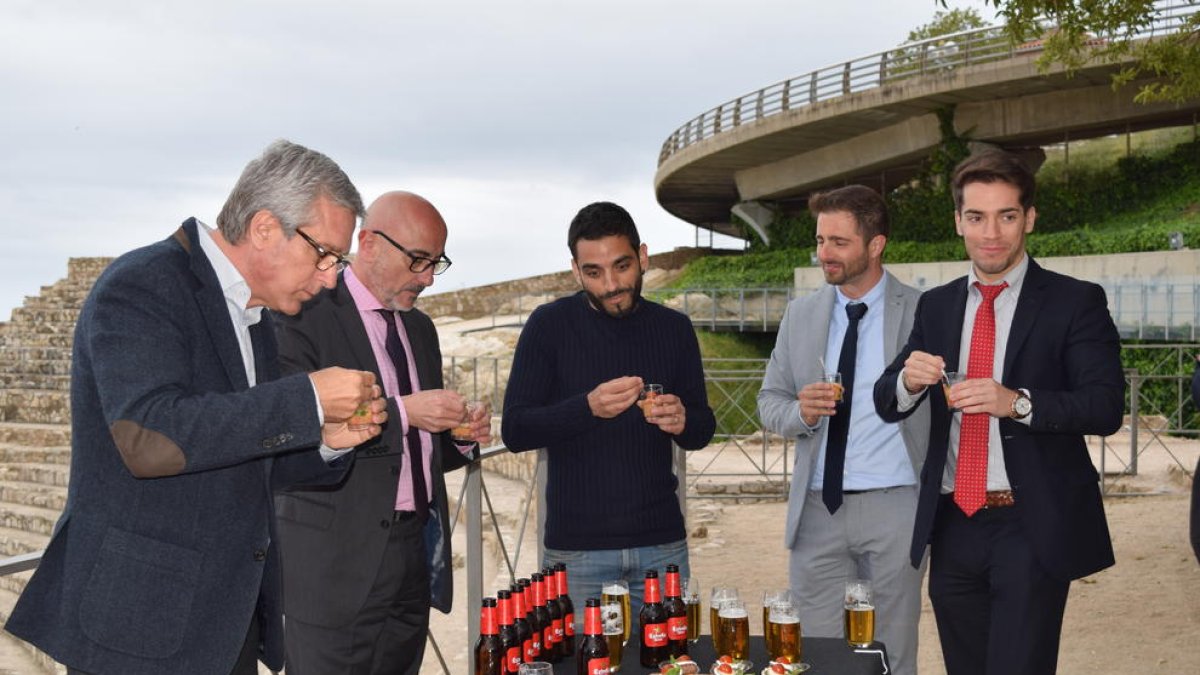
{"type": "Point", "coordinates": [758, 105]}
{"type": "Point", "coordinates": [717, 119]}
{"type": "Point", "coordinates": [737, 112]}
{"type": "Point", "coordinates": [883, 62]}
{"type": "Point", "coordinates": [785, 100]}
{"type": "Point", "coordinates": [474, 514]}
{"type": "Point", "coordinates": [1135, 386]}
{"type": "Point", "coordinates": [812, 88]}
{"type": "Point", "coordinates": [846, 79]}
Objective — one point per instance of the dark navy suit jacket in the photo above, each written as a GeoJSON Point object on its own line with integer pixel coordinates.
{"type": "Point", "coordinates": [163, 551]}
{"type": "Point", "coordinates": [1064, 349]}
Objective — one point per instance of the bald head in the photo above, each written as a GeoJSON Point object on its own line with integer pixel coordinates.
{"type": "Point", "coordinates": [412, 224]}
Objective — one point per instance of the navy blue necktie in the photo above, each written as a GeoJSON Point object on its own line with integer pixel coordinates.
{"type": "Point", "coordinates": [839, 424]}
{"type": "Point", "coordinates": [416, 461]}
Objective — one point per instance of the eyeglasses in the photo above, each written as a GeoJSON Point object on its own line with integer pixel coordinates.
{"type": "Point", "coordinates": [325, 258]}
{"type": "Point", "coordinates": [419, 263]}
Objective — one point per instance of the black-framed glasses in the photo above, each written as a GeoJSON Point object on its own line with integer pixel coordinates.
{"type": "Point", "coordinates": [325, 257]}
{"type": "Point", "coordinates": [419, 263]}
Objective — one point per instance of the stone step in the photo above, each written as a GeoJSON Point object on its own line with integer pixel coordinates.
{"type": "Point", "coordinates": [58, 316]}
{"type": "Point", "coordinates": [11, 454]}
{"type": "Point", "coordinates": [18, 542]}
{"type": "Point", "coordinates": [43, 473]}
{"type": "Point", "coordinates": [86, 269]}
{"type": "Point", "coordinates": [35, 381]}
{"type": "Point", "coordinates": [33, 519]}
{"type": "Point", "coordinates": [35, 405]}
{"type": "Point", "coordinates": [31, 435]}
{"type": "Point", "coordinates": [18, 657]}
{"type": "Point", "coordinates": [35, 366]}
{"type": "Point", "coordinates": [32, 494]}
{"type": "Point", "coordinates": [53, 302]}
{"type": "Point", "coordinates": [15, 339]}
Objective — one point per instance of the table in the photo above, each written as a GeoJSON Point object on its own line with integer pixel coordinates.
{"type": "Point", "coordinates": [827, 656]}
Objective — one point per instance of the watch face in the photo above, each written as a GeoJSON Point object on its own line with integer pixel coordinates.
{"type": "Point", "coordinates": [1022, 406]}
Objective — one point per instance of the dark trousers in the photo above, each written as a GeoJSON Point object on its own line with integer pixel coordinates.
{"type": "Point", "coordinates": [998, 612]}
{"type": "Point", "coordinates": [388, 635]}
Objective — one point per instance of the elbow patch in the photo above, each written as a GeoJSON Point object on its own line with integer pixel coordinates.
{"type": "Point", "coordinates": [147, 453]}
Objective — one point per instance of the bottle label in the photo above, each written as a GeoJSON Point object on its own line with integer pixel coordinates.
{"type": "Point", "coordinates": [655, 635]}
{"type": "Point", "coordinates": [532, 650]}
{"type": "Point", "coordinates": [598, 666]}
{"type": "Point", "coordinates": [569, 625]}
{"type": "Point", "coordinates": [513, 659]}
{"type": "Point", "coordinates": [677, 628]}
{"type": "Point", "coordinates": [558, 630]}
{"type": "Point", "coordinates": [548, 637]}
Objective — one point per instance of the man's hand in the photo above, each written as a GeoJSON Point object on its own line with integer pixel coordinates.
{"type": "Point", "coordinates": [921, 370]}
{"type": "Point", "coordinates": [817, 400]}
{"type": "Point", "coordinates": [340, 390]}
{"type": "Point", "coordinates": [668, 413]}
{"type": "Point", "coordinates": [983, 395]}
{"type": "Point", "coordinates": [339, 435]}
{"type": "Point", "coordinates": [612, 398]}
{"type": "Point", "coordinates": [435, 410]}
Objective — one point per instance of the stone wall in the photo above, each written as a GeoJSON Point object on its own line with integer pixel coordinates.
{"type": "Point", "coordinates": [503, 297]}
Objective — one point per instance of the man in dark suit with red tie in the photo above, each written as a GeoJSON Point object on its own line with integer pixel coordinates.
{"type": "Point", "coordinates": [1010, 501]}
{"type": "Point", "coordinates": [364, 561]}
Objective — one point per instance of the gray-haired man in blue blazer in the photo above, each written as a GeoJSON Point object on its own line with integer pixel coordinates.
{"type": "Point", "coordinates": [163, 560]}
{"type": "Point", "coordinates": [854, 485]}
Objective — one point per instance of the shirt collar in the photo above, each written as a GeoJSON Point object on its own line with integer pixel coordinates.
{"type": "Point", "coordinates": [364, 299]}
{"type": "Point", "coordinates": [872, 297]}
{"type": "Point", "coordinates": [1015, 278]}
{"type": "Point", "coordinates": [233, 284]}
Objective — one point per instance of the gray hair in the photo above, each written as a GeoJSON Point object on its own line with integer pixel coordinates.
{"type": "Point", "coordinates": [286, 180]}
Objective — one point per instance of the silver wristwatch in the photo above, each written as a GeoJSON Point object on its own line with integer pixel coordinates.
{"type": "Point", "coordinates": [1021, 406]}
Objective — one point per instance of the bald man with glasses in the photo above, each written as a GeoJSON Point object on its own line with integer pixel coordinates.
{"type": "Point", "coordinates": [363, 563]}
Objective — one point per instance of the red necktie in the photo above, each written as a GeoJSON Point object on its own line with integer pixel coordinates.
{"type": "Point", "coordinates": [970, 474]}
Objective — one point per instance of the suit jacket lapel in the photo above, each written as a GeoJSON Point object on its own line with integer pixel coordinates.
{"type": "Point", "coordinates": [1028, 305]}
{"type": "Point", "coordinates": [418, 342]}
{"type": "Point", "coordinates": [954, 326]}
{"type": "Point", "coordinates": [211, 300]}
{"type": "Point", "coordinates": [893, 314]}
{"type": "Point", "coordinates": [352, 328]}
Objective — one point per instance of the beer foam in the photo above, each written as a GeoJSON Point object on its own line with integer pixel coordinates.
{"type": "Point", "coordinates": [733, 613]}
{"type": "Point", "coordinates": [614, 590]}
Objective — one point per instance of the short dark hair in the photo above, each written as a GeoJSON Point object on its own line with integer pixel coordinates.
{"type": "Point", "coordinates": [599, 220]}
{"type": "Point", "coordinates": [866, 205]}
{"type": "Point", "coordinates": [993, 166]}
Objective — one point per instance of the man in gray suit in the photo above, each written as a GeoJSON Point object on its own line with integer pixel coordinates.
{"type": "Point", "coordinates": [854, 486]}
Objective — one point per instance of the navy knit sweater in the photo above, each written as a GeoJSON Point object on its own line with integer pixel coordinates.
{"type": "Point", "coordinates": [610, 482]}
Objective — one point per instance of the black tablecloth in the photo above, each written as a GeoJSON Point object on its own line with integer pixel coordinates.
{"type": "Point", "coordinates": [827, 656]}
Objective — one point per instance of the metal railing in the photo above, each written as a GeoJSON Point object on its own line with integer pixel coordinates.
{"type": "Point", "coordinates": [935, 56]}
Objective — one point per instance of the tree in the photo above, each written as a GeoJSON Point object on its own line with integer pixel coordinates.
{"type": "Point", "coordinates": [945, 23]}
{"type": "Point", "coordinates": [1152, 44]}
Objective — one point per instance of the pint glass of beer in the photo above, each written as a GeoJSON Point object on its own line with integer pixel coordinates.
{"type": "Point", "coordinates": [860, 613]}
{"type": "Point", "coordinates": [691, 600]}
{"type": "Point", "coordinates": [612, 620]}
{"type": "Point", "coordinates": [617, 592]}
{"type": "Point", "coordinates": [720, 595]}
{"type": "Point", "coordinates": [783, 631]}
{"type": "Point", "coordinates": [734, 623]}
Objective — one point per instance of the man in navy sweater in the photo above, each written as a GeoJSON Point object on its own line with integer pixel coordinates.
{"type": "Point", "coordinates": [579, 368]}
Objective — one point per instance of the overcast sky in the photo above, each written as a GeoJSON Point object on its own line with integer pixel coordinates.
{"type": "Point", "coordinates": [119, 120]}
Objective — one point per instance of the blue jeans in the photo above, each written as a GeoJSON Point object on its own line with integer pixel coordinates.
{"type": "Point", "coordinates": [588, 570]}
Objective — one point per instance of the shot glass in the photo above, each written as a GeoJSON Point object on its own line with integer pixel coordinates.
{"type": "Point", "coordinates": [361, 419]}
{"type": "Point", "coordinates": [949, 379]}
{"type": "Point", "coordinates": [836, 380]}
{"type": "Point", "coordinates": [463, 432]}
{"type": "Point", "coordinates": [646, 398]}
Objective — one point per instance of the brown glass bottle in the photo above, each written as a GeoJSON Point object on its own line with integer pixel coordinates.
{"type": "Point", "coordinates": [550, 579]}
{"type": "Point", "coordinates": [508, 632]}
{"type": "Point", "coordinates": [653, 620]}
{"type": "Point", "coordinates": [568, 611]}
{"type": "Point", "coordinates": [521, 621]}
{"type": "Point", "coordinates": [593, 648]}
{"type": "Point", "coordinates": [489, 651]}
{"type": "Point", "coordinates": [542, 629]}
{"type": "Point", "coordinates": [677, 621]}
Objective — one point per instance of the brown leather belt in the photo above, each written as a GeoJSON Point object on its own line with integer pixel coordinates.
{"type": "Point", "coordinates": [996, 499]}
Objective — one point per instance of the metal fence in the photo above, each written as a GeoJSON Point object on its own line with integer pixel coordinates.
{"type": "Point", "coordinates": [935, 56]}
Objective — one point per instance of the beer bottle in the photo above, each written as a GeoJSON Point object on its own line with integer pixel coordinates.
{"type": "Point", "coordinates": [653, 619]}
{"type": "Point", "coordinates": [677, 621]}
{"type": "Point", "coordinates": [489, 651]}
{"type": "Point", "coordinates": [568, 610]}
{"type": "Point", "coordinates": [508, 632]}
{"type": "Point", "coordinates": [593, 649]}
{"type": "Point", "coordinates": [542, 630]}
{"type": "Point", "coordinates": [555, 611]}
{"type": "Point", "coordinates": [524, 629]}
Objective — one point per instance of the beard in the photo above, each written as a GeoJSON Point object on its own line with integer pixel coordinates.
{"type": "Point", "coordinates": [619, 311]}
{"type": "Point", "coordinates": [849, 270]}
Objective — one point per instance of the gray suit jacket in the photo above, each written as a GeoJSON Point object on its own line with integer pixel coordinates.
{"type": "Point", "coordinates": [803, 335]}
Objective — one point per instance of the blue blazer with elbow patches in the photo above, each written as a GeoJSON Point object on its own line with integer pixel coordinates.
{"type": "Point", "coordinates": [163, 552]}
